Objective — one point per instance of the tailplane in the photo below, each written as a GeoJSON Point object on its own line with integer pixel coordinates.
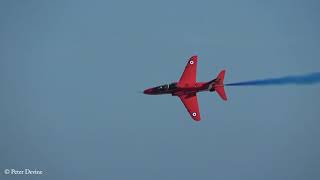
{"type": "Point", "coordinates": [219, 85]}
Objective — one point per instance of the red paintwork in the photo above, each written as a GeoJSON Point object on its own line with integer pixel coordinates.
{"type": "Point", "coordinates": [188, 87]}
{"type": "Point", "coordinates": [189, 75]}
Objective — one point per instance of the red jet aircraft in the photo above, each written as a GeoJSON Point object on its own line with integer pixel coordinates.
{"type": "Point", "coordinates": [188, 87]}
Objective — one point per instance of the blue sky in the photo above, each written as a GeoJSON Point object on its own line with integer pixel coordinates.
{"type": "Point", "coordinates": [70, 73]}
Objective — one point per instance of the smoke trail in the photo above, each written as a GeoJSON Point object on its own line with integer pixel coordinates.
{"type": "Point", "coordinates": [305, 79]}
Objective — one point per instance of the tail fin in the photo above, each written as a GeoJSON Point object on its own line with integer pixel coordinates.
{"type": "Point", "coordinates": [219, 86]}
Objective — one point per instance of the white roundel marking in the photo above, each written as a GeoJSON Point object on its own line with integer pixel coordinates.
{"type": "Point", "coordinates": [191, 62]}
{"type": "Point", "coordinates": [194, 114]}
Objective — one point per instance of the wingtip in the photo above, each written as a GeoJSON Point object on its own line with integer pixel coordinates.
{"type": "Point", "coordinates": [194, 57]}
{"type": "Point", "coordinates": [196, 119]}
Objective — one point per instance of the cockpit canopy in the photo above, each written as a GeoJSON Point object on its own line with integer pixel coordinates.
{"type": "Point", "coordinates": [166, 87]}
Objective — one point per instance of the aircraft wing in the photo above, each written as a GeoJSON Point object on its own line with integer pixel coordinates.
{"type": "Point", "coordinates": [191, 103]}
{"type": "Point", "coordinates": [189, 75]}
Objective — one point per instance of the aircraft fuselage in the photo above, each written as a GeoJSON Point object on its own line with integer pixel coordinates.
{"type": "Point", "coordinates": [176, 90]}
